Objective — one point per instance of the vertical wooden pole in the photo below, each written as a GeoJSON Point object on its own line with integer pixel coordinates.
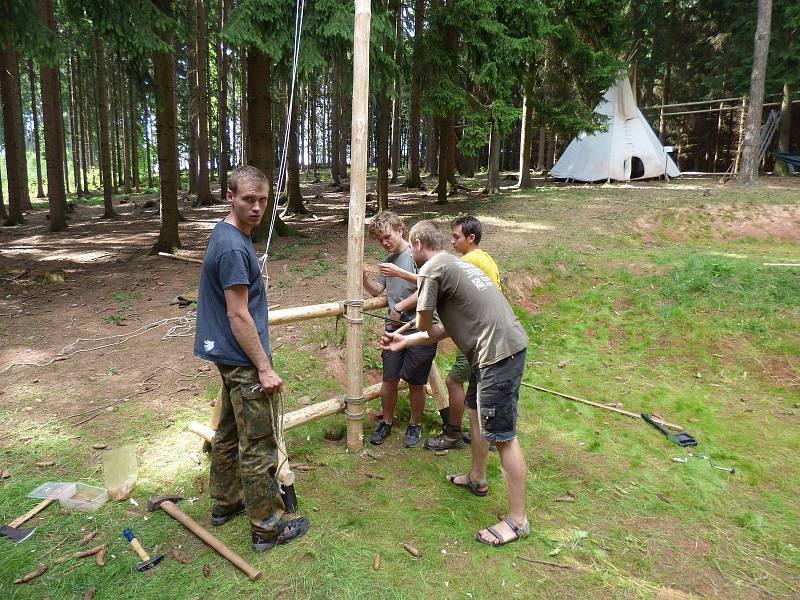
{"type": "Point", "coordinates": [742, 122]}
{"type": "Point", "coordinates": [355, 233]}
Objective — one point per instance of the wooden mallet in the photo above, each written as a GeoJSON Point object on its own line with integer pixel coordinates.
{"type": "Point", "coordinates": [167, 504]}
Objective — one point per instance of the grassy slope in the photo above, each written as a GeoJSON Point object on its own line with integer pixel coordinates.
{"type": "Point", "coordinates": [699, 332]}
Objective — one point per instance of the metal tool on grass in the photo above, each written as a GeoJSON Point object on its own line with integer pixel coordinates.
{"type": "Point", "coordinates": [148, 562]}
{"type": "Point", "coordinates": [730, 470]}
{"type": "Point", "coordinates": [682, 439]}
{"type": "Point", "coordinates": [19, 534]}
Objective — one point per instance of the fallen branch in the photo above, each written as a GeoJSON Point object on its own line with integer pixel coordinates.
{"type": "Point", "coordinates": [545, 562]}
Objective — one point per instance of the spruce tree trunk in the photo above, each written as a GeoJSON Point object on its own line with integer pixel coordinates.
{"type": "Point", "coordinates": [384, 122]}
{"type": "Point", "coordinates": [166, 136]}
{"type": "Point", "coordinates": [785, 129]}
{"type": "Point", "coordinates": [16, 166]}
{"type": "Point", "coordinates": [146, 102]}
{"type": "Point", "coordinates": [102, 114]}
{"type": "Point", "coordinates": [72, 99]}
{"type": "Point", "coordinates": [493, 180]}
{"type": "Point", "coordinates": [243, 101]}
{"type": "Point", "coordinates": [395, 6]}
{"type": "Point", "coordinates": [540, 153]}
{"type": "Point", "coordinates": [125, 124]}
{"type": "Point", "coordinates": [312, 127]}
{"type": "Point", "coordinates": [526, 132]}
{"type": "Point", "coordinates": [748, 173]}
{"type": "Point", "coordinates": [116, 168]}
{"type": "Point", "coordinates": [36, 142]}
{"type": "Point", "coordinates": [204, 197]}
{"type": "Point", "coordinates": [82, 124]}
{"type": "Point", "coordinates": [335, 129]}
{"type": "Point", "coordinates": [3, 213]}
{"type": "Point", "coordinates": [134, 133]}
{"type": "Point", "coordinates": [344, 117]}
{"type": "Point", "coordinates": [446, 158]}
{"type": "Point", "coordinates": [432, 145]}
{"type": "Point", "coordinates": [193, 95]}
{"type": "Point", "coordinates": [53, 129]}
{"type": "Point", "coordinates": [294, 195]}
{"type": "Point", "coordinates": [222, 103]}
{"type": "Point", "coordinates": [413, 177]}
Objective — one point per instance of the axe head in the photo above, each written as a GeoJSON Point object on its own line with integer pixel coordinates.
{"type": "Point", "coordinates": [17, 534]}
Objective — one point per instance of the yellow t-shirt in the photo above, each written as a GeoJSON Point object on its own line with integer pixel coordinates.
{"type": "Point", "coordinates": [485, 263]}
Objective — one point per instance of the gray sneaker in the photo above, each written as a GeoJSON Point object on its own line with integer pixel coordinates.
{"type": "Point", "coordinates": [413, 435]}
{"type": "Point", "coordinates": [381, 432]}
{"type": "Point", "coordinates": [443, 441]}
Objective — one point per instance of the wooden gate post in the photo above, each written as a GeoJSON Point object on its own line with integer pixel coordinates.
{"type": "Point", "coordinates": [355, 234]}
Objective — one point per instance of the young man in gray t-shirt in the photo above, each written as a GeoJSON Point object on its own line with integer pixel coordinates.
{"type": "Point", "coordinates": [413, 365]}
{"type": "Point", "coordinates": [478, 318]}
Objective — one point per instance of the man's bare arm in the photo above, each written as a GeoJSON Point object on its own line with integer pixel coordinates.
{"type": "Point", "coordinates": [245, 332]}
{"type": "Point", "coordinates": [407, 303]}
{"type": "Point", "coordinates": [373, 287]}
{"type": "Point", "coordinates": [392, 270]}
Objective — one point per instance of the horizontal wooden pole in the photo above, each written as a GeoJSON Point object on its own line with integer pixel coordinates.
{"type": "Point", "coordinates": [316, 311]}
{"type": "Point", "coordinates": [303, 415]}
{"type": "Point", "coordinates": [183, 258]}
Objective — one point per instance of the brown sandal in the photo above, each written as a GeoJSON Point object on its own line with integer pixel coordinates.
{"type": "Point", "coordinates": [479, 488]}
{"type": "Point", "coordinates": [519, 533]}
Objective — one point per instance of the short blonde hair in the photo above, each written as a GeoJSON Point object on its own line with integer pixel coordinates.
{"type": "Point", "coordinates": [386, 220]}
{"type": "Point", "coordinates": [247, 173]}
{"type": "Point", "coordinates": [428, 233]}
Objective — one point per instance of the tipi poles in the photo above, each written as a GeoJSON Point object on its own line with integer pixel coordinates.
{"type": "Point", "coordinates": [355, 234]}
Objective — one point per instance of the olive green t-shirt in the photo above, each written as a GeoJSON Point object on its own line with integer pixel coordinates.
{"type": "Point", "coordinates": [474, 312]}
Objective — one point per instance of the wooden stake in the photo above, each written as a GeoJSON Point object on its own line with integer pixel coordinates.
{"type": "Point", "coordinates": [603, 406]}
{"type": "Point", "coordinates": [316, 311]}
{"type": "Point", "coordinates": [438, 388]}
{"type": "Point", "coordinates": [355, 233]}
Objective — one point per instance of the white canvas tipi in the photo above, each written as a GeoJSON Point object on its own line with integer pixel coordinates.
{"type": "Point", "coordinates": [628, 150]}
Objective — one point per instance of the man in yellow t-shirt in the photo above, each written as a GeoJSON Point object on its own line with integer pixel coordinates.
{"type": "Point", "coordinates": [467, 232]}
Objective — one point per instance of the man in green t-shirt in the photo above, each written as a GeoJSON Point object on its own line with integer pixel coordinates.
{"type": "Point", "coordinates": [467, 232]}
{"type": "Point", "coordinates": [475, 314]}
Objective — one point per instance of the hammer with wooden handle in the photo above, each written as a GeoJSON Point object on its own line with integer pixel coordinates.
{"type": "Point", "coordinates": [167, 504]}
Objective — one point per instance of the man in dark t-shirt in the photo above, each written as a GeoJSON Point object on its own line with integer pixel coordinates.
{"type": "Point", "coordinates": [232, 332]}
{"type": "Point", "coordinates": [478, 318]}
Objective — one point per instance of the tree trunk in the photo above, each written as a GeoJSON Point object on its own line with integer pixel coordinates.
{"type": "Point", "coordinates": [526, 131]}
{"type": "Point", "coordinates": [146, 102]}
{"type": "Point", "coordinates": [493, 179]}
{"type": "Point", "coordinates": [52, 116]}
{"type": "Point", "coordinates": [83, 125]}
{"type": "Point", "coordinates": [102, 112]}
{"type": "Point", "coordinates": [749, 166]}
{"type": "Point", "coordinates": [193, 95]}
{"type": "Point", "coordinates": [16, 164]}
{"type": "Point", "coordinates": [335, 128]}
{"type": "Point", "coordinates": [244, 142]}
{"type": "Point", "coordinates": [72, 100]}
{"type": "Point", "coordinates": [785, 129]}
{"type": "Point", "coordinates": [312, 127]}
{"type": "Point", "coordinates": [413, 177]}
{"type": "Point", "coordinates": [293, 193]}
{"type": "Point", "coordinates": [446, 158]}
{"type": "Point", "coordinates": [166, 134]}
{"type": "Point", "coordinates": [204, 197]}
{"type": "Point", "coordinates": [222, 102]}
{"type": "Point", "coordinates": [134, 132]}
{"type": "Point", "coordinates": [122, 102]}
{"type": "Point", "coordinates": [396, 6]}
{"type": "Point", "coordinates": [540, 153]}
{"type": "Point", "coordinates": [384, 122]}
{"type": "Point", "coordinates": [36, 141]}
{"type": "Point", "coordinates": [116, 168]}
{"type": "Point", "coordinates": [344, 117]}
{"type": "Point", "coordinates": [432, 145]}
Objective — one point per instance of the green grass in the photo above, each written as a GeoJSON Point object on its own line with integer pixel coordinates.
{"type": "Point", "coordinates": [700, 332]}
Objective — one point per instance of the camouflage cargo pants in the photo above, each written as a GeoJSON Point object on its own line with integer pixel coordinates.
{"type": "Point", "coordinates": [244, 453]}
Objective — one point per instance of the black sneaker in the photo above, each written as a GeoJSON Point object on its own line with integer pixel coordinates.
{"type": "Point", "coordinates": [217, 520]}
{"type": "Point", "coordinates": [291, 530]}
{"type": "Point", "coordinates": [444, 441]}
{"type": "Point", "coordinates": [413, 434]}
{"type": "Point", "coordinates": [381, 432]}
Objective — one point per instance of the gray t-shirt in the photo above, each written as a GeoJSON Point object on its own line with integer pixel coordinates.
{"type": "Point", "coordinates": [398, 289]}
{"type": "Point", "coordinates": [230, 259]}
{"type": "Point", "coordinates": [474, 312]}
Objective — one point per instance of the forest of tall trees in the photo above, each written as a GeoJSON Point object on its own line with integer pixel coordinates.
{"type": "Point", "coordinates": [107, 97]}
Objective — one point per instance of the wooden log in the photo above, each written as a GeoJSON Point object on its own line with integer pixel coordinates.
{"type": "Point", "coordinates": [438, 388]}
{"type": "Point", "coordinates": [316, 311]}
{"type": "Point", "coordinates": [183, 258]}
{"type": "Point", "coordinates": [355, 231]}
